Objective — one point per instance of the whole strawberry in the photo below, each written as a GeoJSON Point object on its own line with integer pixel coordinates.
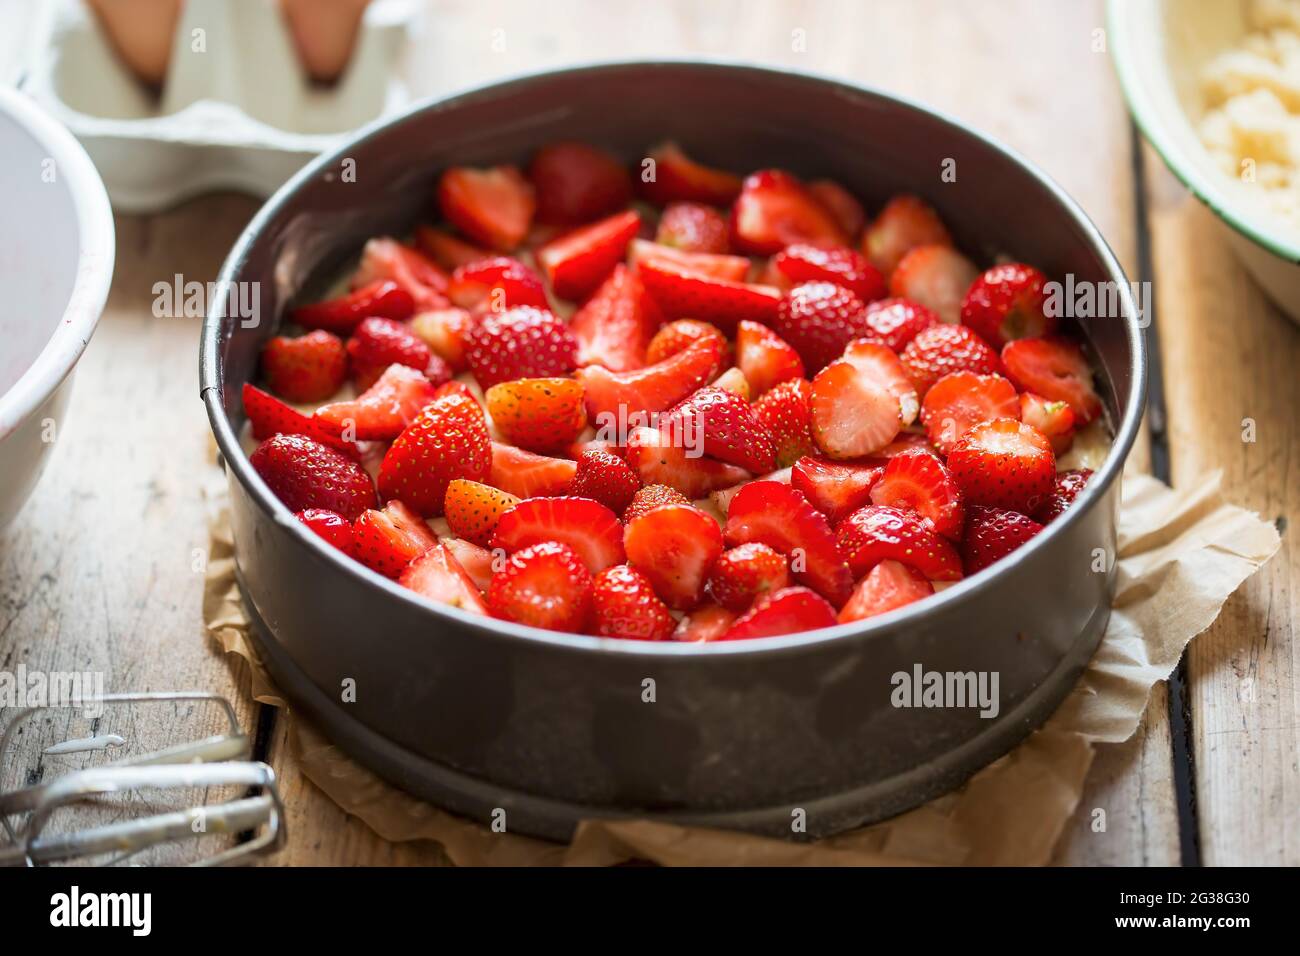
{"type": "Point", "coordinates": [746, 573]}
{"type": "Point", "coordinates": [605, 478]}
{"type": "Point", "coordinates": [303, 474]}
{"type": "Point", "coordinates": [941, 349]}
{"type": "Point", "coordinates": [993, 533]}
{"type": "Point", "coordinates": [523, 342]}
{"type": "Point", "coordinates": [448, 440]}
{"type": "Point", "coordinates": [1064, 491]}
{"type": "Point", "coordinates": [819, 319]}
{"type": "Point", "coordinates": [624, 604]}
{"type": "Point", "coordinates": [308, 368]}
{"type": "Point", "coordinates": [895, 322]}
{"type": "Point", "coordinates": [1007, 303]}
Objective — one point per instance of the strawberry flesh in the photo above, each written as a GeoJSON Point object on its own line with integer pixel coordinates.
{"type": "Point", "coordinates": [887, 586]}
{"type": "Point", "coordinates": [675, 547]}
{"type": "Point", "coordinates": [877, 533]}
{"type": "Point", "coordinates": [835, 488]}
{"type": "Point", "coordinates": [918, 481]}
{"type": "Point", "coordinates": [437, 575]}
{"type": "Point", "coordinates": [775, 210]}
{"type": "Point", "coordinates": [387, 541]}
{"type": "Point", "coordinates": [788, 611]}
{"type": "Point", "coordinates": [383, 298]}
{"type": "Point", "coordinates": [576, 263]}
{"type": "Point", "coordinates": [588, 527]}
{"type": "Point", "coordinates": [613, 328]}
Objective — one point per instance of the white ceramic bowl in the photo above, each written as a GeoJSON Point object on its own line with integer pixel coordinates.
{"type": "Point", "coordinates": [56, 264]}
{"type": "Point", "coordinates": [1159, 48]}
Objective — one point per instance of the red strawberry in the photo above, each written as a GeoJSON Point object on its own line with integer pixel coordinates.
{"type": "Point", "coordinates": [1066, 488]}
{"type": "Point", "coordinates": [716, 265]}
{"type": "Point", "coordinates": [887, 586]}
{"type": "Point", "coordinates": [877, 533]}
{"type": "Point", "coordinates": [676, 336]}
{"type": "Point", "coordinates": [764, 357]}
{"type": "Point", "coordinates": [577, 183]}
{"type": "Point", "coordinates": [680, 291]}
{"type": "Point", "coordinates": [650, 389]}
{"type": "Point", "coordinates": [304, 473]}
{"type": "Point", "coordinates": [693, 227]}
{"type": "Point", "coordinates": [386, 258]}
{"type": "Point", "coordinates": [383, 410]}
{"type": "Point", "coordinates": [674, 546]}
{"type": "Point", "coordinates": [1006, 303]}
{"type": "Point", "coordinates": [605, 478]}
{"type": "Point", "coordinates": [730, 430]}
{"type": "Point", "coordinates": [387, 541]}
{"type": "Point", "coordinates": [493, 207]}
{"type": "Point", "coordinates": [788, 611]}
{"type": "Point", "coordinates": [776, 515]}
{"type": "Point", "coordinates": [579, 261]}
{"type": "Point", "coordinates": [672, 175]}
{"type": "Point", "coordinates": [746, 573]}
{"type": "Point", "coordinates": [918, 481]}
{"type": "Point", "coordinates": [941, 349]}
{"type": "Point", "coordinates": [586, 526]}
{"type": "Point", "coordinates": [853, 413]}
{"type": "Point", "coordinates": [1053, 419]}
{"type": "Point", "coordinates": [379, 343]}
{"type": "Point", "coordinates": [447, 440]}
{"type": "Point", "coordinates": [545, 585]}
{"type": "Point", "coordinates": [614, 326]}
{"type": "Point", "coordinates": [1056, 369]}
{"type": "Point", "coordinates": [624, 604]}
{"type": "Point", "coordinates": [330, 525]}
{"type": "Point", "coordinates": [520, 343]}
{"type": "Point", "coordinates": [540, 414]}
{"type": "Point", "coordinates": [438, 575]}
{"type": "Point", "coordinates": [649, 497]}
{"type": "Point", "coordinates": [526, 475]}
{"type": "Point", "coordinates": [840, 265]}
{"type": "Point", "coordinates": [775, 210]}
{"type": "Point", "coordinates": [841, 204]}
{"type": "Point", "coordinates": [473, 509]}
{"type": "Point", "coordinates": [905, 223]}
{"type": "Point", "coordinates": [448, 251]}
{"type": "Point", "coordinates": [445, 331]}
{"type": "Point", "coordinates": [269, 416]}
{"type": "Point", "coordinates": [962, 399]}
{"type": "Point", "coordinates": [936, 277]}
{"type": "Point", "coordinates": [905, 442]}
{"type": "Point", "coordinates": [895, 322]}
{"type": "Point", "coordinates": [1004, 464]}
{"type": "Point", "coordinates": [881, 365]}
{"type": "Point", "coordinates": [786, 413]}
{"type": "Point", "coordinates": [477, 561]}
{"type": "Point", "coordinates": [308, 368]}
{"type": "Point", "coordinates": [992, 534]}
{"type": "Point", "coordinates": [496, 284]}
{"type": "Point", "coordinates": [383, 298]}
{"type": "Point", "coordinates": [835, 488]}
{"type": "Point", "coordinates": [660, 458]}
{"type": "Point", "coordinates": [819, 319]}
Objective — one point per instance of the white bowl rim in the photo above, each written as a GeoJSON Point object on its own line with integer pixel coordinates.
{"type": "Point", "coordinates": [97, 246]}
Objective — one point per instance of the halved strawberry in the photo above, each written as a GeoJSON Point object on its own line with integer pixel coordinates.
{"type": "Point", "coordinates": [1053, 419]}
{"type": "Point", "coordinates": [476, 560]}
{"type": "Point", "coordinates": [437, 575]}
{"type": "Point", "coordinates": [579, 261]}
{"type": "Point", "coordinates": [882, 366]}
{"type": "Point", "coordinates": [775, 210]}
{"type": "Point", "coordinates": [835, 488]}
{"type": "Point", "coordinates": [613, 327]}
{"type": "Point", "coordinates": [660, 458]}
{"type": "Point", "coordinates": [837, 264]}
{"type": "Point", "coordinates": [992, 534]}
{"type": "Point", "coordinates": [307, 368]}
{"type": "Point", "coordinates": [447, 440]}
{"type": "Point", "coordinates": [540, 414]}
{"type": "Point", "coordinates": [448, 251]}
{"type": "Point", "coordinates": [605, 478]}
{"type": "Point", "coordinates": [674, 546]}
{"type": "Point", "coordinates": [903, 224]}
{"type": "Point", "coordinates": [887, 586]}
{"type": "Point", "coordinates": [379, 343]}
{"type": "Point", "coordinates": [492, 206]}
{"type": "Point", "coordinates": [852, 413]}
{"type": "Point", "coordinates": [677, 335]}
{"type": "Point", "coordinates": [935, 276]}
{"type": "Point", "coordinates": [918, 481]}
{"type": "Point", "coordinates": [586, 526]}
{"type": "Point", "coordinates": [764, 357]}
{"type": "Point", "coordinates": [941, 349]}
{"type": "Point", "coordinates": [693, 227]}
{"type": "Point", "coordinates": [776, 515]}
{"type": "Point", "coordinates": [386, 258]}
{"type": "Point", "coordinates": [819, 319]}
{"type": "Point", "coordinates": [746, 573]}
{"type": "Point", "coordinates": [624, 604]}
{"type": "Point", "coordinates": [672, 175]}
{"type": "Point", "coordinates": [268, 416]}
{"type": "Point", "coordinates": [330, 525]}
{"type": "Point", "coordinates": [387, 541]}
{"type": "Point", "coordinates": [445, 331]}
{"type": "Point", "coordinates": [841, 204]}
{"type": "Point", "coordinates": [496, 284]}
{"type": "Point", "coordinates": [785, 411]}
{"type": "Point", "coordinates": [383, 298]}
{"type": "Point", "coordinates": [383, 410]}
{"type": "Point", "coordinates": [650, 389]}
{"type": "Point", "coordinates": [304, 473]}
{"type": "Point", "coordinates": [522, 342]}
{"type": "Point", "coordinates": [576, 183]}
{"type": "Point", "coordinates": [729, 429]}
{"type": "Point", "coordinates": [473, 509]}
{"type": "Point", "coordinates": [544, 585]}
{"type": "Point", "coordinates": [733, 380]}
{"type": "Point", "coordinates": [895, 322]}
{"type": "Point", "coordinates": [1066, 488]}
{"type": "Point", "coordinates": [721, 498]}
{"type": "Point", "coordinates": [716, 265]}
{"type": "Point", "coordinates": [1007, 303]}
{"type": "Point", "coordinates": [788, 611]}
{"type": "Point", "coordinates": [1054, 367]}
{"type": "Point", "coordinates": [877, 533]}
{"type": "Point", "coordinates": [708, 622]}
{"type": "Point", "coordinates": [1005, 464]}
{"type": "Point", "coordinates": [682, 292]}
{"type": "Point", "coordinates": [649, 497]}
{"type": "Point", "coordinates": [962, 399]}
{"type": "Point", "coordinates": [526, 475]}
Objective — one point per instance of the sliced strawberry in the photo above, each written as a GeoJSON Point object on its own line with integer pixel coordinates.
{"type": "Point", "coordinates": [693, 227]}
{"type": "Point", "coordinates": [941, 349]}
{"type": "Point", "coordinates": [882, 366]}
{"type": "Point", "coordinates": [445, 331]}
{"type": "Point", "coordinates": [835, 488]}
{"type": "Point", "coordinates": [852, 413]}
{"type": "Point", "coordinates": [887, 586]}
{"type": "Point", "coordinates": [672, 175]}
{"type": "Point", "coordinates": [386, 258]}
{"type": "Point", "coordinates": [674, 546]}
{"type": "Point", "coordinates": [379, 343]}
{"type": "Point", "coordinates": [605, 478]}
{"type": "Point", "coordinates": [614, 396]}
{"type": "Point", "coordinates": [613, 328]}
{"type": "Point", "coordinates": [660, 458]}
{"type": "Point", "coordinates": [448, 251]}
{"type": "Point", "coordinates": [788, 611]}
{"type": "Point", "coordinates": [992, 534]}
{"type": "Point", "coordinates": [962, 399]}
{"type": "Point", "coordinates": [330, 525]}
{"type": "Point", "coordinates": [576, 450]}
{"type": "Point", "coordinates": [905, 223]}
{"type": "Point", "coordinates": [586, 526]}
{"type": "Point", "coordinates": [437, 575]}
{"type": "Point", "coordinates": [775, 210]}
{"type": "Point", "coordinates": [383, 410]}
{"type": "Point", "coordinates": [679, 292]}
{"type": "Point", "coordinates": [1055, 368]}
{"type": "Point", "coordinates": [650, 497]}
{"type": "Point", "coordinates": [905, 442]}
{"type": "Point", "coordinates": [447, 440]}
{"type": "Point", "coordinates": [624, 604]}
{"type": "Point", "coordinates": [304, 473]}
{"type": "Point", "coordinates": [522, 342]}
{"type": "Point", "coordinates": [1007, 303]}
{"type": "Point", "coordinates": [918, 481]}
{"type": "Point", "coordinates": [387, 541]}
{"type": "Point", "coordinates": [937, 277]}
{"type": "Point", "coordinates": [675, 336]}
{"type": "Point", "coordinates": [1053, 419]}
{"type": "Point", "coordinates": [477, 561]}
{"type": "Point", "coordinates": [540, 414]}
{"type": "Point", "coordinates": [746, 573]}
{"type": "Point", "coordinates": [1004, 464]}
{"type": "Point", "coordinates": [269, 416]}
{"type": "Point", "coordinates": [496, 284]}
{"type": "Point", "coordinates": [579, 261]}
{"type": "Point", "coordinates": [545, 585]}
{"type": "Point", "coordinates": [877, 533]}
{"type": "Point", "coordinates": [526, 475]}
{"type": "Point", "coordinates": [841, 204]}
{"type": "Point", "coordinates": [729, 428]}
{"type": "Point", "coordinates": [776, 515]}
{"type": "Point", "coordinates": [473, 509]}
{"type": "Point", "coordinates": [819, 319]}
{"type": "Point", "coordinates": [308, 368]}
{"type": "Point", "coordinates": [715, 265]}
{"type": "Point", "coordinates": [840, 265]}
{"type": "Point", "coordinates": [895, 322]}
{"type": "Point", "coordinates": [576, 183]}
{"type": "Point", "coordinates": [708, 622]}
{"type": "Point", "coordinates": [492, 206]}
{"type": "Point", "coordinates": [383, 298]}
{"type": "Point", "coordinates": [786, 413]}
{"type": "Point", "coordinates": [1066, 488]}
{"type": "Point", "coordinates": [764, 357]}
{"type": "Point", "coordinates": [733, 380]}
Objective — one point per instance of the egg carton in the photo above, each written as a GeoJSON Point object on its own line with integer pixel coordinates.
{"type": "Point", "coordinates": [236, 110]}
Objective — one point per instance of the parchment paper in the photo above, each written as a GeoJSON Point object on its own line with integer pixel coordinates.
{"type": "Point", "coordinates": [1181, 554]}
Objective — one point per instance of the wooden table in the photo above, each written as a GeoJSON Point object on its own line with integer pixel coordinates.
{"type": "Point", "coordinates": [99, 570]}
